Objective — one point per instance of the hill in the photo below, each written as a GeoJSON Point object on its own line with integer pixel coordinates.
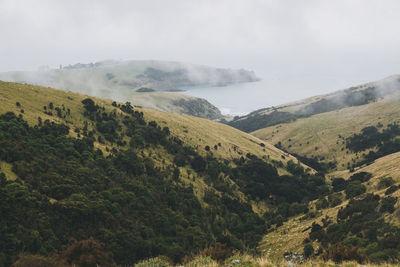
{"type": "Point", "coordinates": [286, 113]}
{"type": "Point", "coordinates": [83, 171]}
{"type": "Point", "coordinates": [129, 80]}
{"type": "Point", "coordinates": [85, 180]}
{"type": "Point", "coordinates": [357, 146]}
{"type": "Point", "coordinates": [327, 136]}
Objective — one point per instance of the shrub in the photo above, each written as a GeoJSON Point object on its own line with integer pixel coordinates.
{"type": "Point", "coordinates": [387, 204]}
{"type": "Point", "coordinates": [28, 260]}
{"type": "Point", "coordinates": [87, 253]}
{"type": "Point", "coordinates": [355, 189]}
{"type": "Point", "coordinates": [154, 262]}
{"type": "Point", "coordinates": [202, 261]}
{"type": "Point", "coordinates": [391, 190]}
{"type": "Point", "coordinates": [385, 182]}
{"type": "Point", "coordinates": [339, 184]}
{"type": "Point", "coordinates": [308, 251]}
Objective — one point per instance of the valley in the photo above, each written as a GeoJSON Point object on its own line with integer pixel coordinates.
{"type": "Point", "coordinates": [307, 184]}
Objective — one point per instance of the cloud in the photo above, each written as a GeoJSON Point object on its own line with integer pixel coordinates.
{"type": "Point", "coordinates": [341, 39]}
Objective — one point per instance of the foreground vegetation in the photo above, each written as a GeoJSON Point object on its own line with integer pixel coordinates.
{"type": "Point", "coordinates": [67, 188]}
{"type": "Point", "coordinates": [85, 181]}
{"type": "Point", "coordinates": [239, 260]}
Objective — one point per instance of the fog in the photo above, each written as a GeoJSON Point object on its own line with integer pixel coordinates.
{"type": "Point", "coordinates": [312, 46]}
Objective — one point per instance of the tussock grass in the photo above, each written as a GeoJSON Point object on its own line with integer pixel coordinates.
{"type": "Point", "coordinates": [245, 260]}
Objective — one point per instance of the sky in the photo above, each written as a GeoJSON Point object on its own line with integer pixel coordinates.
{"type": "Point", "coordinates": [309, 42]}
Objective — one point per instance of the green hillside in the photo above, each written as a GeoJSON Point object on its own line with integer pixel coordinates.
{"type": "Point", "coordinates": [81, 170]}
{"type": "Point", "coordinates": [324, 136]}
{"type": "Point", "coordinates": [86, 181]}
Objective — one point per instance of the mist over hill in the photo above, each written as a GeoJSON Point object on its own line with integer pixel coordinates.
{"type": "Point", "coordinates": [286, 113]}
{"type": "Point", "coordinates": [138, 82]}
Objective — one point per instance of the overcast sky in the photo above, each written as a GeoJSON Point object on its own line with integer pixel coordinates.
{"type": "Point", "coordinates": [346, 40]}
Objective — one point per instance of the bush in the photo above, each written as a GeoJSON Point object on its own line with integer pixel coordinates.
{"type": "Point", "coordinates": [335, 199]}
{"type": "Point", "coordinates": [387, 204]}
{"type": "Point", "coordinates": [391, 189]}
{"type": "Point", "coordinates": [202, 261]}
{"type": "Point", "coordinates": [154, 262]}
{"type": "Point", "coordinates": [385, 182]}
{"type": "Point", "coordinates": [321, 204]}
{"type": "Point", "coordinates": [308, 251]}
{"type": "Point", "coordinates": [28, 260]}
{"type": "Point", "coordinates": [339, 184]}
{"type": "Point", "coordinates": [361, 176]}
{"type": "Point", "coordinates": [354, 189]}
{"type": "Point", "coordinates": [87, 253]}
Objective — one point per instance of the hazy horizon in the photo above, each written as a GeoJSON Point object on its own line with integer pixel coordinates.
{"type": "Point", "coordinates": [310, 46]}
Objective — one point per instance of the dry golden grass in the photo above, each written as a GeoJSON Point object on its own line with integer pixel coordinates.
{"type": "Point", "coordinates": [246, 260]}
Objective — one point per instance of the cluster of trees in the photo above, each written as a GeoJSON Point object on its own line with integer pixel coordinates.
{"type": "Point", "coordinates": [353, 186]}
{"type": "Point", "coordinates": [61, 112]}
{"type": "Point", "coordinates": [69, 189]}
{"type": "Point", "coordinates": [257, 120]}
{"type": "Point", "coordinates": [384, 142]}
{"type": "Point", "coordinates": [138, 209]}
{"type": "Point", "coordinates": [360, 232]}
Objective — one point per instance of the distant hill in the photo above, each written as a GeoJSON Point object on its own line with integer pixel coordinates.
{"type": "Point", "coordinates": [125, 80]}
{"type": "Point", "coordinates": [286, 113]}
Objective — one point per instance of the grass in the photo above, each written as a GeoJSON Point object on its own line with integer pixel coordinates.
{"type": "Point", "coordinates": [245, 260]}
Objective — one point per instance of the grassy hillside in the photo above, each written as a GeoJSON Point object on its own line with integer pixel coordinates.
{"type": "Point", "coordinates": [140, 183]}
{"type": "Point", "coordinates": [196, 132]}
{"type": "Point", "coordinates": [291, 235]}
{"type": "Point", "coordinates": [163, 178]}
{"type": "Point", "coordinates": [129, 81]}
{"type": "Point", "coordinates": [323, 135]}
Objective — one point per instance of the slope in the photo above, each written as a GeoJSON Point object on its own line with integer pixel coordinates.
{"type": "Point", "coordinates": [196, 132]}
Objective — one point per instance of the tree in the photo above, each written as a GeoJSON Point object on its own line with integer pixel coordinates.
{"type": "Point", "coordinates": [339, 184]}
{"type": "Point", "coordinates": [388, 204]}
{"type": "Point", "coordinates": [176, 174]}
{"type": "Point", "coordinates": [198, 164]}
{"type": "Point", "coordinates": [308, 251]}
{"type": "Point", "coordinates": [28, 260]}
{"type": "Point", "coordinates": [87, 253]}
{"type": "Point", "coordinates": [89, 105]}
{"type": "Point", "coordinates": [355, 189]}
